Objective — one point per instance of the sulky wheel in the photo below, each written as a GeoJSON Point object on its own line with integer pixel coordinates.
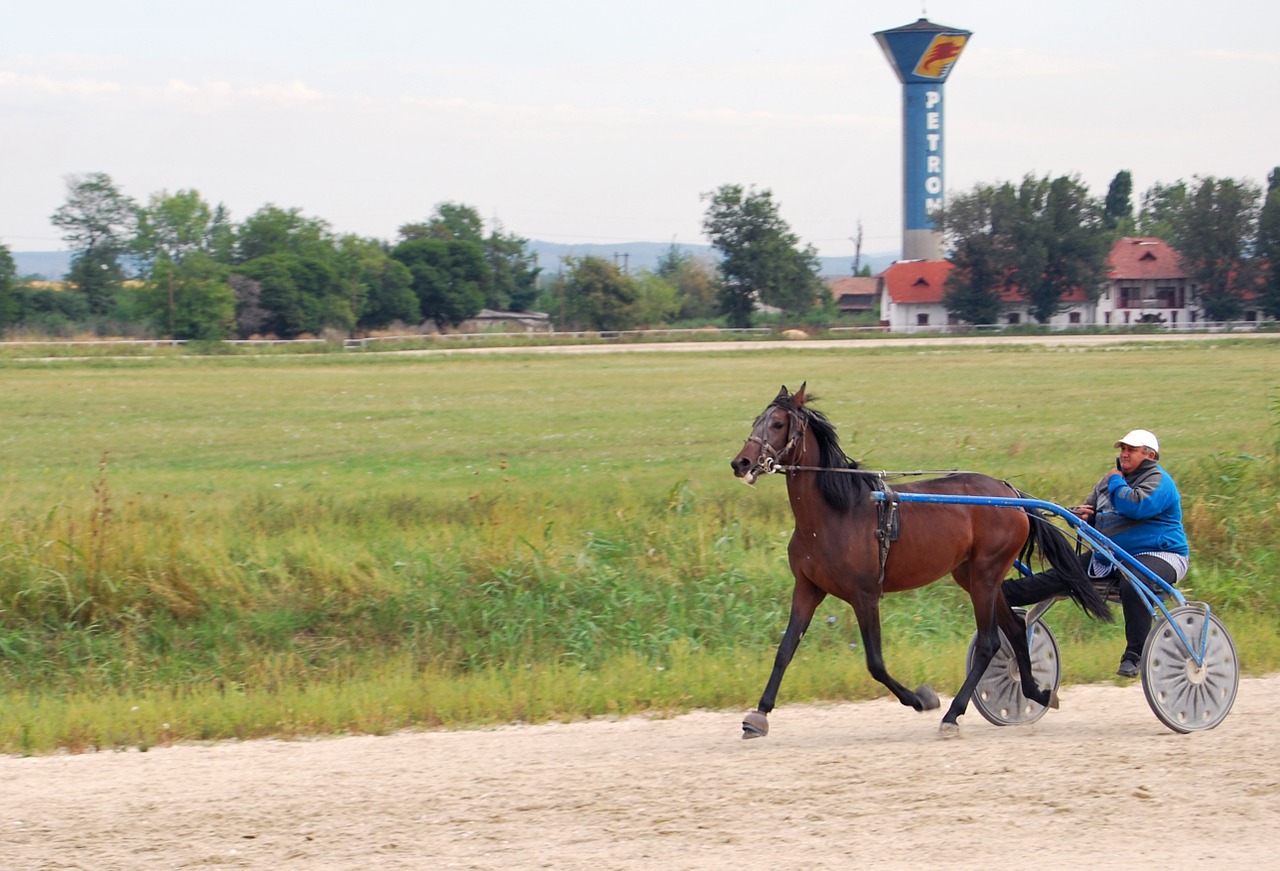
{"type": "Point", "coordinates": [998, 696]}
{"type": "Point", "coordinates": [1185, 696]}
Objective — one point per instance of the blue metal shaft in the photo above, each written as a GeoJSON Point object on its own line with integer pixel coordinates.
{"type": "Point", "coordinates": [1129, 567]}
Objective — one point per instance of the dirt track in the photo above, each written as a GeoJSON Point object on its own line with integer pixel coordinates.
{"type": "Point", "coordinates": [1099, 784]}
{"type": "Point", "coordinates": [1048, 341]}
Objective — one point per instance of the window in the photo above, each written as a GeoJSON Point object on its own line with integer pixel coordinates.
{"type": "Point", "coordinates": [1015, 318]}
{"type": "Point", "coordinates": [1073, 317]}
{"type": "Point", "coordinates": [922, 319]}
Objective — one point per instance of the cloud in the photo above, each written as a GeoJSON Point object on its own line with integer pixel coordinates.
{"type": "Point", "coordinates": [26, 86]}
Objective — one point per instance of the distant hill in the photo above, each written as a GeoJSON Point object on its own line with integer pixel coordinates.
{"type": "Point", "coordinates": [634, 256]}
{"type": "Point", "coordinates": [47, 265]}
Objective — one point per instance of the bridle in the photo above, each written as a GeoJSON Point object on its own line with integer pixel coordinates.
{"type": "Point", "coordinates": [770, 459]}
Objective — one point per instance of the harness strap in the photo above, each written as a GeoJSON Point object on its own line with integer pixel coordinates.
{"type": "Point", "coordinates": [889, 523]}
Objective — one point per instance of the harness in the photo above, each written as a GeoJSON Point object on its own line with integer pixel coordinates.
{"type": "Point", "coordinates": [889, 522]}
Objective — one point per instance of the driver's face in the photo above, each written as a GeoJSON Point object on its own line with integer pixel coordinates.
{"type": "Point", "coordinates": [1131, 457]}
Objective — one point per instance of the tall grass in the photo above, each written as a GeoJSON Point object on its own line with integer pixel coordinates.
{"type": "Point", "coordinates": [223, 548]}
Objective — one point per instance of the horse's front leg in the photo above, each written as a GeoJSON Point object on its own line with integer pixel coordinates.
{"type": "Point", "coordinates": [805, 599]}
{"type": "Point", "coordinates": [867, 609]}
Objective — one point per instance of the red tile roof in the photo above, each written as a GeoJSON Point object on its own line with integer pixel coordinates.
{"type": "Point", "coordinates": [1134, 258]}
{"type": "Point", "coordinates": [916, 281]}
{"type": "Point", "coordinates": [855, 284]}
{"type": "Point", "coordinates": [923, 281]}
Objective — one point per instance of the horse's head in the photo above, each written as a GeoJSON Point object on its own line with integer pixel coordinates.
{"type": "Point", "coordinates": [776, 437]}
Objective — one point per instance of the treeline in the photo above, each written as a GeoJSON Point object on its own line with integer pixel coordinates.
{"type": "Point", "coordinates": [177, 266]}
{"type": "Point", "coordinates": [1045, 238]}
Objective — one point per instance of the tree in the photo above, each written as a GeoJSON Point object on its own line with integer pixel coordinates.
{"type": "Point", "coordinates": [379, 287]}
{"type": "Point", "coordinates": [97, 221]}
{"type": "Point", "coordinates": [1161, 204]}
{"type": "Point", "coordinates": [595, 295]}
{"type": "Point", "coordinates": [275, 292]}
{"type": "Point", "coordinates": [1268, 246]}
{"type": "Point", "coordinates": [294, 260]}
{"type": "Point", "coordinates": [511, 279]}
{"type": "Point", "coordinates": [190, 298]}
{"type": "Point", "coordinates": [1040, 241]}
{"type": "Point", "coordinates": [272, 230]}
{"type": "Point", "coordinates": [451, 221]}
{"type": "Point", "coordinates": [760, 260]}
{"type": "Point", "coordinates": [694, 280]}
{"type": "Point", "coordinates": [1117, 209]}
{"type": "Point", "coordinates": [171, 226]}
{"type": "Point", "coordinates": [1213, 229]}
{"type": "Point", "coordinates": [1072, 235]}
{"type": "Point", "coordinates": [9, 303]}
{"type": "Point", "coordinates": [513, 272]}
{"type": "Point", "coordinates": [171, 229]}
{"type": "Point", "coordinates": [979, 229]}
{"type": "Point", "coordinates": [657, 300]}
{"type": "Point", "coordinates": [448, 275]}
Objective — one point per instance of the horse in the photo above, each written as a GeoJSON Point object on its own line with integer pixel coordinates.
{"type": "Point", "coordinates": [841, 547]}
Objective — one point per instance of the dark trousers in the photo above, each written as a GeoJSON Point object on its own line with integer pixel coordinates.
{"type": "Point", "coordinates": [1137, 615]}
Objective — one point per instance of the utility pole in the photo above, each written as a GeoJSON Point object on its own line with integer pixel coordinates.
{"type": "Point", "coordinates": [857, 249]}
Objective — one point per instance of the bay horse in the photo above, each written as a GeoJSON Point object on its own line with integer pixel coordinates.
{"type": "Point", "coordinates": [836, 550]}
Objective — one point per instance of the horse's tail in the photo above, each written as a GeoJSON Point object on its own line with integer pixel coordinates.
{"type": "Point", "coordinates": [1057, 550]}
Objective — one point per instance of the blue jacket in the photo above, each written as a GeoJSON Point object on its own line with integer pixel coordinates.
{"type": "Point", "coordinates": [1142, 512]}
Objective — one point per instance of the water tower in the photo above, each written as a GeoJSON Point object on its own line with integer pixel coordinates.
{"type": "Point", "coordinates": [922, 54]}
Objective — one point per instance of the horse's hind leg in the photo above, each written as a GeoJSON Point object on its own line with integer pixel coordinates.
{"type": "Point", "coordinates": [867, 608]}
{"type": "Point", "coordinates": [1015, 629]}
{"type": "Point", "coordinates": [992, 614]}
{"type": "Point", "coordinates": [984, 650]}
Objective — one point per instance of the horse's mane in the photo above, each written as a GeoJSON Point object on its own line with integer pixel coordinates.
{"type": "Point", "coordinates": [840, 490]}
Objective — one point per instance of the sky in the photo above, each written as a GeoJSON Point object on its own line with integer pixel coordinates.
{"type": "Point", "coordinates": [588, 121]}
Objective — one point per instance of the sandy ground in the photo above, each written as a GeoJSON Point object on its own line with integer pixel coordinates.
{"type": "Point", "coordinates": [1098, 784]}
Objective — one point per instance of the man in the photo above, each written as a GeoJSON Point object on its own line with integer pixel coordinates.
{"type": "Point", "coordinates": [1138, 507]}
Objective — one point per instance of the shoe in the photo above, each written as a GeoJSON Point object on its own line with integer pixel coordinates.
{"type": "Point", "coordinates": [1128, 668]}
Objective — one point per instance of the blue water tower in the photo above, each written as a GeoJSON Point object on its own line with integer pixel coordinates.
{"type": "Point", "coordinates": [922, 54]}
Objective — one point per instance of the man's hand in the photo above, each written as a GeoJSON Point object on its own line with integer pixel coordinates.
{"type": "Point", "coordinates": [1084, 512]}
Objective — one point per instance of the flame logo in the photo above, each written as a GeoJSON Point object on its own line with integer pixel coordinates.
{"type": "Point", "coordinates": [941, 54]}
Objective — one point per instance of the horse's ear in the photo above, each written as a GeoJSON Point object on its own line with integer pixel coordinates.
{"type": "Point", "coordinates": [798, 398]}
{"type": "Point", "coordinates": [782, 396]}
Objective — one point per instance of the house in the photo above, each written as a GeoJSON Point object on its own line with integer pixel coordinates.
{"type": "Point", "coordinates": [853, 294]}
{"type": "Point", "coordinates": [488, 320]}
{"type": "Point", "coordinates": [911, 295]}
{"type": "Point", "coordinates": [1146, 285]}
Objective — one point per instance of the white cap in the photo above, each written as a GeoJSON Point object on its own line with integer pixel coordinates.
{"type": "Point", "coordinates": [1140, 438]}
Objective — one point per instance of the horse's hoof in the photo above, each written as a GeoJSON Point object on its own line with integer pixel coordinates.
{"type": "Point", "coordinates": [928, 698]}
{"type": "Point", "coordinates": [949, 730]}
{"type": "Point", "coordinates": [755, 725]}
{"type": "Point", "coordinates": [1053, 699]}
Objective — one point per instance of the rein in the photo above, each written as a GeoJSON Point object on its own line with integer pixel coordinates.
{"type": "Point", "coordinates": [768, 466]}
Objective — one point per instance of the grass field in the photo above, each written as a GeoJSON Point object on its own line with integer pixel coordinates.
{"type": "Point", "coordinates": [226, 547]}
